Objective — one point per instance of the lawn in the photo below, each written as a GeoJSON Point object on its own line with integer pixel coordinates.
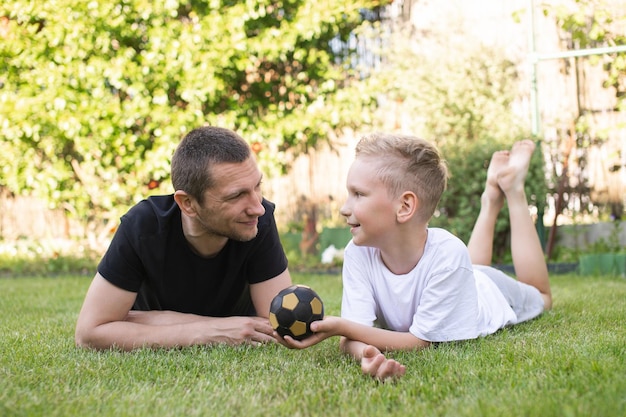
{"type": "Point", "coordinates": [569, 362]}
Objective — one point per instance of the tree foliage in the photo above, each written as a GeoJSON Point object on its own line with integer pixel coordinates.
{"type": "Point", "coordinates": [94, 96]}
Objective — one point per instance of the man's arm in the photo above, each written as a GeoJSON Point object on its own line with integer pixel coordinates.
{"type": "Point", "coordinates": [264, 292]}
{"type": "Point", "coordinates": [105, 321]}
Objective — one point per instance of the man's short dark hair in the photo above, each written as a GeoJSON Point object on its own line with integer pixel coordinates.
{"type": "Point", "coordinates": [199, 150]}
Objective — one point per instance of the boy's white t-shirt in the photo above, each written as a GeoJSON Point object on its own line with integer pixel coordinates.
{"type": "Point", "coordinates": [442, 299]}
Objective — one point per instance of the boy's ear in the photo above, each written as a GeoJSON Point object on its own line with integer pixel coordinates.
{"type": "Point", "coordinates": [408, 207]}
{"type": "Point", "coordinates": [185, 203]}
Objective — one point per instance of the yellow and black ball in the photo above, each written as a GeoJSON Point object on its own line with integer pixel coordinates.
{"type": "Point", "coordinates": [294, 309]}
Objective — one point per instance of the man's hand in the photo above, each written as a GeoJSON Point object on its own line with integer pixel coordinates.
{"type": "Point", "coordinates": [210, 330]}
{"type": "Point", "coordinates": [376, 365]}
{"type": "Point", "coordinates": [233, 331]}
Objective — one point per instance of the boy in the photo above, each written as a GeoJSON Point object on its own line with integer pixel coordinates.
{"type": "Point", "coordinates": [422, 285]}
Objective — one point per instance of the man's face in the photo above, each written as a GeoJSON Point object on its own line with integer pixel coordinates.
{"type": "Point", "coordinates": [232, 207]}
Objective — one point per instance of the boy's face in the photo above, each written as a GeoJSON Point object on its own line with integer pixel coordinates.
{"type": "Point", "coordinates": [369, 210]}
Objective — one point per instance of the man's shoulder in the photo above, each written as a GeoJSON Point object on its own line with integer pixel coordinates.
{"type": "Point", "coordinates": [156, 204]}
{"type": "Point", "coordinates": [268, 217]}
{"type": "Point", "coordinates": [269, 208]}
{"type": "Point", "coordinates": [153, 213]}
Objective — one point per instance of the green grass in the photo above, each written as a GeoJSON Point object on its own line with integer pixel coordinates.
{"type": "Point", "coordinates": [569, 362]}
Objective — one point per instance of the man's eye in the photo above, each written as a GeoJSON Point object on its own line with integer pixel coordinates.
{"type": "Point", "coordinates": [235, 196]}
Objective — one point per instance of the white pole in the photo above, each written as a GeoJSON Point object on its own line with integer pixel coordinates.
{"type": "Point", "coordinates": [534, 100]}
{"type": "Point", "coordinates": [535, 58]}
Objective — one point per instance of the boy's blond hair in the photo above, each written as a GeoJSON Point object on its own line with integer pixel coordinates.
{"type": "Point", "coordinates": [407, 163]}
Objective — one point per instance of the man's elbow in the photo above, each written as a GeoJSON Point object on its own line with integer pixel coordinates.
{"type": "Point", "coordinates": [80, 340]}
{"type": "Point", "coordinates": [84, 339]}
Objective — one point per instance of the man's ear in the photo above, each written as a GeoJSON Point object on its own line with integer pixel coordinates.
{"type": "Point", "coordinates": [408, 207]}
{"type": "Point", "coordinates": [185, 203]}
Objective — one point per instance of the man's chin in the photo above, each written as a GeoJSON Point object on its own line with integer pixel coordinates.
{"type": "Point", "coordinates": [245, 237]}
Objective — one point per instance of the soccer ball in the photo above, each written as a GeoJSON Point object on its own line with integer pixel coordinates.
{"type": "Point", "coordinates": [294, 309]}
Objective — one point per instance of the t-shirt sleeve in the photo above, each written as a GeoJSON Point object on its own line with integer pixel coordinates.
{"type": "Point", "coordinates": [268, 259]}
{"type": "Point", "coordinates": [358, 302]}
{"type": "Point", "coordinates": [121, 264]}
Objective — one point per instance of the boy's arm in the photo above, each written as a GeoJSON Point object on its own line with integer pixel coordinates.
{"type": "Point", "coordinates": [105, 321]}
{"type": "Point", "coordinates": [363, 343]}
{"type": "Point", "coordinates": [373, 362]}
{"type": "Point", "coordinates": [383, 340]}
{"type": "Point", "coordinates": [367, 344]}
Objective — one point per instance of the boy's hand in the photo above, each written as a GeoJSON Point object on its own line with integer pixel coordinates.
{"type": "Point", "coordinates": [323, 329]}
{"type": "Point", "coordinates": [376, 365]}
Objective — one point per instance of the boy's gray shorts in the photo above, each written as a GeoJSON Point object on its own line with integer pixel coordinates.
{"type": "Point", "coordinates": [525, 300]}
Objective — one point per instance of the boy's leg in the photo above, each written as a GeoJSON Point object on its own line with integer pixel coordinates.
{"type": "Point", "coordinates": [480, 244]}
{"type": "Point", "coordinates": [528, 258]}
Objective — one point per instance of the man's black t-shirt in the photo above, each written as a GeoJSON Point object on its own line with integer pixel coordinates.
{"type": "Point", "coordinates": [150, 255]}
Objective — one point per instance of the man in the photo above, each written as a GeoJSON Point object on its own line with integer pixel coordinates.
{"type": "Point", "coordinates": [197, 267]}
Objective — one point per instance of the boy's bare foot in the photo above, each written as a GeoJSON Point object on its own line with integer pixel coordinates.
{"type": "Point", "coordinates": [512, 177]}
{"type": "Point", "coordinates": [493, 193]}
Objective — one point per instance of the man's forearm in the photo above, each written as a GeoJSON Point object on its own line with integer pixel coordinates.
{"type": "Point", "coordinates": [162, 318]}
{"type": "Point", "coordinates": [169, 330]}
{"type": "Point", "coordinates": [129, 335]}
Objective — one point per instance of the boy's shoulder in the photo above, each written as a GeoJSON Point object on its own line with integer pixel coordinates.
{"type": "Point", "coordinates": [439, 236]}
{"type": "Point", "coordinates": [445, 250]}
